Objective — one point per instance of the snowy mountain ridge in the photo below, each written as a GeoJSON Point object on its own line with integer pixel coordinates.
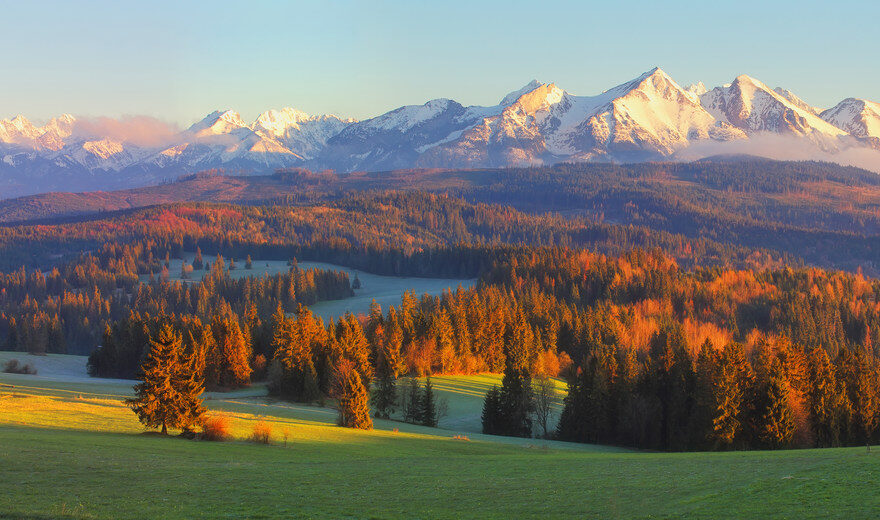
{"type": "Point", "coordinates": [650, 117]}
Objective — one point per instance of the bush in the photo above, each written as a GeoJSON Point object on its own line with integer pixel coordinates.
{"type": "Point", "coordinates": [259, 366]}
{"type": "Point", "coordinates": [215, 428]}
{"type": "Point", "coordinates": [262, 432]}
{"type": "Point", "coordinates": [14, 367]}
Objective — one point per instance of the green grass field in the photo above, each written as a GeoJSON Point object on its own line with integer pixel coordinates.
{"type": "Point", "coordinates": [70, 449]}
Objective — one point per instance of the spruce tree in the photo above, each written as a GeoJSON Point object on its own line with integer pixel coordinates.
{"type": "Point", "coordinates": [229, 366]}
{"type": "Point", "coordinates": [412, 399]}
{"type": "Point", "coordinates": [777, 424]}
{"type": "Point", "coordinates": [168, 395]}
{"type": "Point", "coordinates": [828, 403]}
{"type": "Point", "coordinates": [492, 412]}
{"type": "Point", "coordinates": [352, 397]}
{"type": "Point", "coordinates": [428, 406]}
{"type": "Point", "coordinates": [198, 261]}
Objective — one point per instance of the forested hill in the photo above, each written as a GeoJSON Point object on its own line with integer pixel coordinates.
{"type": "Point", "coordinates": [824, 214]}
{"type": "Point", "coordinates": [392, 233]}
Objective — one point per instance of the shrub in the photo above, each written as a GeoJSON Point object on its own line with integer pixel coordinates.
{"type": "Point", "coordinates": [14, 367]}
{"type": "Point", "coordinates": [259, 366]}
{"type": "Point", "coordinates": [262, 432]}
{"type": "Point", "coordinates": [215, 428]}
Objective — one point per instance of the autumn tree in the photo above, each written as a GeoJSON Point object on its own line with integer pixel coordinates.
{"type": "Point", "coordinates": [724, 376]}
{"type": "Point", "coordinates": [777, 422]}
{"type": "Point", "coordinates": [352, 397]}
{"type": "Point", "coordinates": [828, 403]}
{"type": "Point", "coordinates": [509, 412]}
{"type": "Point", "coordinates": [229, 364]}
{"type": "Point", "coordinates": [389, 366]}
{"type": "Point", "coordinates": [294, 374]}
{"type": "Point", "coordinates": [168, 395]}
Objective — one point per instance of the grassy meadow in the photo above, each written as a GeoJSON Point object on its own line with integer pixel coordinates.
{"type": "Point", "coordinates": [71, 449]}
{"type": "Point", "coordinates": [386, 290]}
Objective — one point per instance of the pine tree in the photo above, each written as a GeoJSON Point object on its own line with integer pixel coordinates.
{"type": "Point", "coordinates": [229, 366]}
{"type": "Point", "coordinates": [828, 403]}
{"type": "Point", "coordinates": [428, 406]}
{"type": "Point", "coordinates": [291, 341]}
{"type": "Point", "coordinates": [492, 412]}
{"type": "Point", "coordinates": [387, 369]}
{"type": "Point", "coordinates": [352, 397]}
{"type": "Point", "coordinates": [514, 412]}
{"type": "Point", "coordinates": [248, 263]}
{"type": "Point", "coordinates": [777, 424]}
{"type": "Point", "coordinates": [412, 402]}
{"type": "Point", "coordinates": [723, 378]}
{"type": "Point", "coordinates": [169, 392]}
{"type": "Point", "coordinates": [198, 262]}
{"type": "Point", "coordinates": [865, 393]}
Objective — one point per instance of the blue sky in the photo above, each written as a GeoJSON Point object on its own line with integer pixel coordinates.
{"type": "Point", "coordinates": [180, 60]}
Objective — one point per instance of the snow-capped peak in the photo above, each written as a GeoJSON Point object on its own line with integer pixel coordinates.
{"type": "Point", "coordinates": [511, 98]}
{"type": "Point", "coordinates": [217, 123]}
{"type": "Point", "coordinates": [650, 117]}
{"type": "Point", "coordinates": [697, 89]}
{"type": "Point", "coordinates": [796, 101]}
{"type": "Point", "coordinates": [752, 106]}
{"type": "Point", "coordinates": [859, 117]}
{"type": "Point", "coordinates": [277, 122]}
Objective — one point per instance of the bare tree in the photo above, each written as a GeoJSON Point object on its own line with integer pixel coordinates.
{"type": "Point", "coordinates": [544, 393]}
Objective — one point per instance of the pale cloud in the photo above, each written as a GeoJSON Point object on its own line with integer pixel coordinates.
{"type": "Point", "coordinates": [137, 130]}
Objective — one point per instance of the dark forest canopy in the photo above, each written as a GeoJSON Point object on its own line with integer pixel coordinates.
{"type": "Point", "coordinates": [825, 214]}
{"type": "Point", "coordinates": [368, 229]}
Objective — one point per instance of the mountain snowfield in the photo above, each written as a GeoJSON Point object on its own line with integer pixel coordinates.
{"type": "Point", "coordinates": [649, 118]}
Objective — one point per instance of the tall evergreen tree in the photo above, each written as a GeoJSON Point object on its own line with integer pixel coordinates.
{"type": "Point", "coordinates": [229, 367]}
{"type": "Point", "coordinates": [388, 368]}
{"type": "Point", "coordinates": [829, 406]}
{"type": "Point", "coordinates": [428, 405]}
{"type": "Point", "coordinates": [778, 419]}
{"type": "Point", "coordinates": [168, 395]}
{"type": "Point", "coordinates": [412, 402]}
{"type": "Point", "coordinates": [352, 397]}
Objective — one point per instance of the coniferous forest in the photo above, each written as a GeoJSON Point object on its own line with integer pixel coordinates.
{"type": "Point", "coordinates": [666, 342]}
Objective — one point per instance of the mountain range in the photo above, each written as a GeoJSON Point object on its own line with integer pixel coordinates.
{"type": "Point", "coordinates": [649, 118]}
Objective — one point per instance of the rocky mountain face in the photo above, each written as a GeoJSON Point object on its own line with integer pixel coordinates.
{"type": "Point", "coordinates": [649, 118]}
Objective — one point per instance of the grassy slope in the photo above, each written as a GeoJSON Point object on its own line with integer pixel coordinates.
{"type": "Point", "coordinates": [69, 450]}
{"type": "Point", "coordinates": [386, 290]}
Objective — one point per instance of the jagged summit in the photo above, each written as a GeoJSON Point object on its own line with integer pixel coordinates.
{"type": "Point", "coordinates": [859, 117]}
{"type": "Point", "coordinates": [649, 117]}
{"type": "Point", "coordinates": [510, 98]}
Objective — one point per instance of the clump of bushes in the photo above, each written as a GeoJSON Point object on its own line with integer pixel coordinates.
{"type": "Point", "coordinates": [262, 432]}
{"type": "Point", "coordinates": [215, 428]}
{"type": "Point", "coordinates": [13, 366]}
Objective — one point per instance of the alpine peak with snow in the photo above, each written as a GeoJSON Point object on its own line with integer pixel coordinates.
{"type": "Point", "coordinates": [648, 118]}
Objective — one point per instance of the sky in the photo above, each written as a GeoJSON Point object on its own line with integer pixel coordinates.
{"type": "Point", "coordinates": [178, 61]}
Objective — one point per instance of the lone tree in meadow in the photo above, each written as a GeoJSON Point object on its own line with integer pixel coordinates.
{"type": "Point", "coordinates": [169, 392]}
{"type": "Point", "coordinates": [428, 405]}
{"type": "Point", "coordinates": [352, 396]}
